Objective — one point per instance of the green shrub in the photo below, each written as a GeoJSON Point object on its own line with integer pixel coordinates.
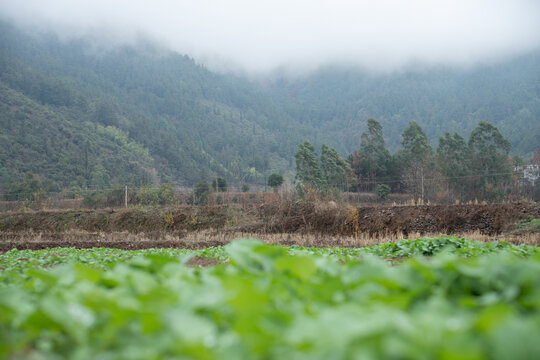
{"type": "Point", "coordinates": [146, 196]}
{"type": "Point", "coordinates": [154, 196]}
{"type": "Point", "coordinates": [143, 196]}
{"type": "Point", "coordinates": [219, 185]}
{"type": "Point", "coordinates": [101, 199]}
{"type": "Point", "coordinates": [200, 193]}
{"type": "Point", "coordinates": [383, 191]}
{"type": "Point", "coordinates": [167, 195]}
{"type": "Point", "coordinates": [93, 200]}
{"type": "Point", "coordinates": [275, 181]}
{"type": "Point", "coordinates": [30, 189]}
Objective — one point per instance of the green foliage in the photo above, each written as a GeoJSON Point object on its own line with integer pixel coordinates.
{"type": "Point", "coordinates": [375, 157]}
{"type": "Point", "coordinates": [66, 153]}
{"type": "Point", "coordinates": [219, 185]}
{"type": "Point", "coordinates": [416, 146]}
{"type": "Point", "coordinates": [307, 164]}
{"type": "Point", "coordinates": [269, 302]}
{"type": "Point", "coordinates": [30, 189]}
{"type": "Point", "coordinates": [490, 159]}
{"type": "Point", "coordinates": [480, 168]}
{"type": "Point", "coordinates": [527, 226]}
{"type": "Point", "coordinates": [143, 196]}
{"type": "Point", "coordinates": [114, 197]}
{"type": "Point", "coordinates": [487, 140]}
{"type": "Point", "coordinates": [439, 99]}
{"type": "Point", "coordinates": [373, 163]}
{"type": "Point", "coordinates": [454, 157]}
{"type": "Point", "coordinates": [59, 103]}
{"type": "Point", "coordinates": [200, 193]}
{"type": "Point", "coordinates": [383, 191]}
{"type": "Point", "coordinates": [517, 161]}
{"type": "Point", "coordinates": [275, 181]}
{"type": "Point", "coordinates": [103, 258]}
{"type": "Point", "coordinates": [93, 200]}
{"type": "Point", "coordinates": [150, 94]}
{"type": "Point", "coordinates": [449, 244]}
{"type": "Point", "coordinates": [153, 196]}
{"type": "Point", "coordinates": [245, 187]}
{"type": "Point", "coordinates": [334, 169]}
{"type": "Point", "coordinates": [415, 159]}
{"type": "Point", "coordinates": [105, 114]}
{"type": "Point", "coordinates": [332, 172]}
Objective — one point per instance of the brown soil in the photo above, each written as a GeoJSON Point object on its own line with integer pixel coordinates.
{"type": "Point", "coordinates": [204, 239]}
{"type": "Point", "coordinates": [450, 219]}
{"type": "Point", "coordinates": [200, 261]}
{"type": "Point", "coordinates": [124, 245]}
{"type": "Point", "coordinates": [329, 218]}
{"type": "Point", "coordinates": [284, 222]}
{"type": "Point", "coordinates": [186, 218]}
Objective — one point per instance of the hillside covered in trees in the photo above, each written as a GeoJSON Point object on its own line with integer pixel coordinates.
{"type": "Point", "coordinates": [338, 101]}
{"type": "Point", "coordinates": [79, 114]}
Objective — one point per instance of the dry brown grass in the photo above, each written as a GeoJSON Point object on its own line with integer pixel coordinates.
{"type": "Point", "coordinates": [205, 238]}
{"type": "Point", "coordinates": [311, 221]}
{"type": "Point", "coordinates": [526, 238]}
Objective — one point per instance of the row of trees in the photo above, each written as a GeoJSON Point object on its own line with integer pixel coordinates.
{"type": "Point", "coordinates": [477, 168]}
{"type": "Point", "coordinates": [330, 171]}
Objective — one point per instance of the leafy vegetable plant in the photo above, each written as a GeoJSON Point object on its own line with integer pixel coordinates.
{"type": "Point", "coordinates": [273, 302]}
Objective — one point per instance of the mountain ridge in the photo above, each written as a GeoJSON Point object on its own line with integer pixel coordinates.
{"type": "Point", "coordinates": [196, 124]}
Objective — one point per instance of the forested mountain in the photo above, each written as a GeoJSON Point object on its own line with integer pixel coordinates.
{"type": "Point", "coordinates": [439, 99]}
{"type": "Point", "coordinates": [194, 123]}
{"type": "Point", "coordinates": [78, 114]}
{"type": "Point", "coordinates": [37, 138]}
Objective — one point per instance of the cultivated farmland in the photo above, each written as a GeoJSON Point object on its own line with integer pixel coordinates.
{"type": "Point", "coordinates": [324, 281]}
{"type": "Point", "coordinates": [465, 300]}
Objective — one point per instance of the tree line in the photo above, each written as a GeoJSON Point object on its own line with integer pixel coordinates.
{"type": "Point", "coordinates": [478, 168]}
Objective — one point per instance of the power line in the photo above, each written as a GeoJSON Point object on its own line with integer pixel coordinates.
{"type": "Point", "coordinates": [401, 179]}
{"type": "Point", "coordinates": [387, 180]}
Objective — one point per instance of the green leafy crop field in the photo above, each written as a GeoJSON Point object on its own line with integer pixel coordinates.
{"type": "Point", "coordinates": [445, 298]}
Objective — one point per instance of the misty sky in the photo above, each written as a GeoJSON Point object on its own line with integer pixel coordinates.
{"type": "Point", "coordinates": [260, 35]}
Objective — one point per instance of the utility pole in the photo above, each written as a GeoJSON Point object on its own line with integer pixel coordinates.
{"type": "Point", "coordinates": [125, 196]}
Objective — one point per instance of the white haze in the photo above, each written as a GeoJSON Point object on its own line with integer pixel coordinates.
{"type": "Point", "coordinates": [259, 36]}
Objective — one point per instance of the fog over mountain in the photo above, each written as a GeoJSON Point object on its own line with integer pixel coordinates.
{"type": "Point", "coordinates": [95, 94]}
{"type": "Point", "coordinates": [301, 35]}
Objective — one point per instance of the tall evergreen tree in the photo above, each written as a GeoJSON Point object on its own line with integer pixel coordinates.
{"type": "Point", "coordinates": [415, 158]}
{"type": "Point", "coordinates": [307, 164]}
{"type": "Point", "coordinates": [375, 156]}
{"type": "Point", "coordinates": [334, 168]}
{"type": "Point", "coordinates": [454, 156]}
{"type": "Point", "coordinates": [490, 161]}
